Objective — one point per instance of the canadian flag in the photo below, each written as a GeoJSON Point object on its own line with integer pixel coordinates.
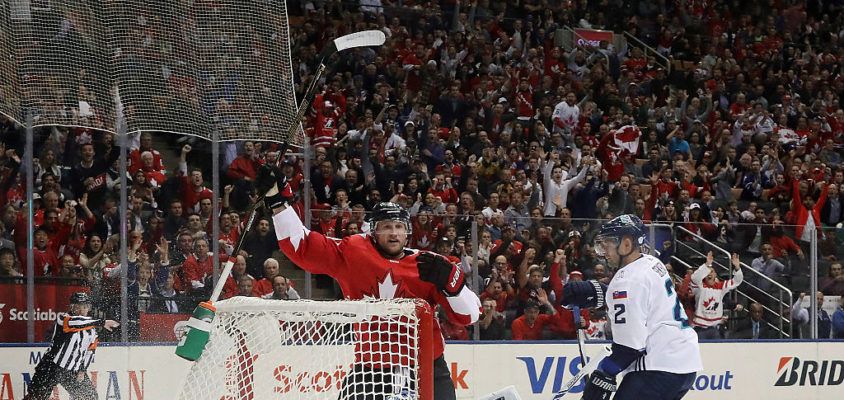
{"type": "Point", "coordinates": [627, 138]}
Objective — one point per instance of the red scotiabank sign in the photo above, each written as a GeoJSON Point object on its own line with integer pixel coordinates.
{"type": "Point", "coordinates": [160, 327]}
{"type": "Point", "coordinates": [591, 37]}
{"type": "Point", "coordinates": [50, 300]}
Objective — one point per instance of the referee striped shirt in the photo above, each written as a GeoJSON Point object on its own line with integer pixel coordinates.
{"type": "Point", "coordinates": [74, 342]}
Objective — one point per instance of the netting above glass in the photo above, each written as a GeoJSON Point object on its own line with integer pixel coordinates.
{"type": "Point", "coordinates": [188, 67]}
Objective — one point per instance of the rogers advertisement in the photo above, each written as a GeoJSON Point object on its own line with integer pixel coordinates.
{"type": "Point", "coordinates": [50, 299]}
{"type": "Point", "coordinates": [733, 371]}
{"type": "Point", "coordinates": [591, 37]}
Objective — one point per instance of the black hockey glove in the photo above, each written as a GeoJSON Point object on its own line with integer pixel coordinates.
{"type": "Point", "coordinates": [600, 386]}
{"type": "Point", "coordinates": [272, 183]}
{"type": "Point", "coordinates": [584, 294]}
{"type": "Point", "coordinates": [438, 270]}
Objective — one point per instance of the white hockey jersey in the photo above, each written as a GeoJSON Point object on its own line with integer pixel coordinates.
{"type": "Point", "coordinates": [709, 300]}
{"type": "Point", "coordinates": [645, 313]}
{"type": "Point", "coordinates": [568, 115]}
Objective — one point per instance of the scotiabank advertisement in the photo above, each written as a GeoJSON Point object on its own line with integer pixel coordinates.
{"type": "Point", "coordinates": [50, 300]}
{"type": "Point", "coordinates": [735, 370]}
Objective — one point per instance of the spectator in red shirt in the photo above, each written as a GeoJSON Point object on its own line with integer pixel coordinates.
{"type": "Point", "coordinates": [46, 262]}
{"type": "Point", "coordinates": [191, 187]}
{"type": "Point", "coordinates": [782, 244]}
{"type": "Point", "coordinates": [495, 291]}
{"type": "Point", "coordinates": [265, 285]}
{"type": "Point", "coordinates": [136, 156]}
{"type": "Point", "coordinates": [155, 176]}
{"type": "Point", "coordinates": [232, 286]}
{"type": "Point", "coordinates": [199, 266]}
{"type": "Point", "coordinates": [532, 324]}
{"type": "Point", "coordinates": [242, 172]}
{"type": "Point", "coordinates": [442, 188]}
{"type": "Point", "coordinates": [246, 165]}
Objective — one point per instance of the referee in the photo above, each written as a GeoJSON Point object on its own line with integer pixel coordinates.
{"type": "Point", "coordinates": [72, 350]}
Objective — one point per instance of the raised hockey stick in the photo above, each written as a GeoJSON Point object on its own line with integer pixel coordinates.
{"type": "Point", "coordinates": [193, 341]}
{"type": "Point", "coordinates": [352, 40]}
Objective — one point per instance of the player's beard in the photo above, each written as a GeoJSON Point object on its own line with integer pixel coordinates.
{"type": "Point", "coordinates": [397, 254]}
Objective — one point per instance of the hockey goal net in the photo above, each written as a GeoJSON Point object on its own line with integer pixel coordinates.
{"type": "Point", "coordinates": [271, 349]}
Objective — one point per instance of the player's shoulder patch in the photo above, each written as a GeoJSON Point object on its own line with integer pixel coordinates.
{"type": "Point", "coordinates": [654, 264]}
{"type": "Point", "coordinates": [660, 269]}
{"type": "Point", "coordinates": [619, 294]}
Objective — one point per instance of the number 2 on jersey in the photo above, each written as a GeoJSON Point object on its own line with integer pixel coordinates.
{"type": "Point", "coordinates": [679, 315]}
{"type": "Point", "coordinates": [619, 311]}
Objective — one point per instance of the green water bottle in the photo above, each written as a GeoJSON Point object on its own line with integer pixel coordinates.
{"type": "Point", "coordinates": [197, 333]}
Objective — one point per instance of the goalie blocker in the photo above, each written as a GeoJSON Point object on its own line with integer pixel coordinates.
{"type": "Point", "coordinates": [378, 266]}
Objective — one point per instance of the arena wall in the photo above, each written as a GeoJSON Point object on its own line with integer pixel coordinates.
{"type": "Point", "coordinates": [734, 370]}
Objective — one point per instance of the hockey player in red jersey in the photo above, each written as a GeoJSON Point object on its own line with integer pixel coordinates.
{"type": "Point", "coordinates": [375, 265]}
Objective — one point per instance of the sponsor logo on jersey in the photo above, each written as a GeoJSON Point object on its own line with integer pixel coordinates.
{"type": "Point", "coordinates": [619, 294]}
{"type": "Point", "coordinates": [1, 312]}
{"type": "Point", "coordinates": [796, 372]}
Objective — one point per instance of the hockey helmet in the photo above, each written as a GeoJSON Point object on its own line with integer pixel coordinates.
{"type": "Point", "coordinates": [619, 227]}
{"type": "Point", "coordinates": [389, 211]}
{"type": "Point", "coordinates": [80, 298]}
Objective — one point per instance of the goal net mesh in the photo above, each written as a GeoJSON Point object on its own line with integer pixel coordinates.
{"type": "Point", "coordinates": [268, 349]}
{"type": "Point", "coordinates": [181, 66]}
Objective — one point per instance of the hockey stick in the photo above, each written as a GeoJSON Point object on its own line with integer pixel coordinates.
{"type": "Point", "coordinates": [584, 371]}
{"type": "Point", "coordinates": [350, 41]}
{"type": "Point", "coordinates": [193, 342]}
{"type": "Point", "coordinates": [580, 333]}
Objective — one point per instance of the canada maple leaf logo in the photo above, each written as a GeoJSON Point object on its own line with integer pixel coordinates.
{"type": "Point", "coordinates": [710, 304]}
{"type": "Point", "coordinates": [386, 288]}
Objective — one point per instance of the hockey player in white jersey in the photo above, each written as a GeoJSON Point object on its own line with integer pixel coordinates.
{"type": "Point", "coordinates": [654, 347]}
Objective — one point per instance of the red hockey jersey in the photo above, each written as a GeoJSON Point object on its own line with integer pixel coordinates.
{"type": "Point", "coordinates": [363, 273]}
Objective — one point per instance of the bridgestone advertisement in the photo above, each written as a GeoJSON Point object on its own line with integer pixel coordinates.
{"type": "Point", "coordinates": [734, 370]}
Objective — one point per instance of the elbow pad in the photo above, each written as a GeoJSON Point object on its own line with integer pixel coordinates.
{"type": "Point", "coordinates": [621, 357]}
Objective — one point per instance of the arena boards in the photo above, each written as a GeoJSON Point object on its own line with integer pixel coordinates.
{"type": "Point", "coordinates": [770, 370]}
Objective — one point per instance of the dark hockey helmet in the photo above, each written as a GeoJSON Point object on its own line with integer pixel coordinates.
{"type": "Point", "coordinates": [80, 298]}
{"type": "Point", "coordinates": [619, 227]}
{"type": "Point", "coordinates": [388, 211]}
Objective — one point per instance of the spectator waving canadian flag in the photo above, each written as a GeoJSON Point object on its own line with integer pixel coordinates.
{"type": "Point", "coordinates": [627, 138]}
{"type": "Point", "coordinates": [614, 146]}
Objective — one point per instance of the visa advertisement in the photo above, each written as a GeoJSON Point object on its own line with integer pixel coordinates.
{"type": "Point", "coordinates": [734, 370]}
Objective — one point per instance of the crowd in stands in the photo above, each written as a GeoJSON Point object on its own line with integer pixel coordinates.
{"type": "Point", "coordinates": [472, 114]}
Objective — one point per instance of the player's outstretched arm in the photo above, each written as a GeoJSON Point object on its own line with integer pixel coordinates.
{"type": "Point", "coordinates": [310, 250]}
{"type": "Point", "coordinates": [447, 277]}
